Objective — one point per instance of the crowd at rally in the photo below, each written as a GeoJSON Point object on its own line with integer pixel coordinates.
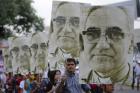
{"type": "Point", "coordinates": [88, 33]}
{"type": "Point", "coordinates": [54, 83]}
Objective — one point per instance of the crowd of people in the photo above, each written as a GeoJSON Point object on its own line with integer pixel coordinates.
{"type": "Point", "coordinates": [97, 36]}
{"type": "Point", "coordinates": [56, 82]}
{"type": "Point", "coordinates": [136, 75]}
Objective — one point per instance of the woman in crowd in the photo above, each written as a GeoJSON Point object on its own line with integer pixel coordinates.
{"type": "Point", "coordinates": [54, 77]}
{"type": "Point", "coordinates": [35, 85]}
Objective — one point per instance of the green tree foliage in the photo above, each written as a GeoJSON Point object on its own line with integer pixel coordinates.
{"type": "Point", "coordinates": [18, 16]}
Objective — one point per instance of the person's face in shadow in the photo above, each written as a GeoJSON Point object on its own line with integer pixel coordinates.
{"type": "Point", "coordinates": [105, 39]}
{"type": "Point", "coordinates": [57, 75]}
{"type": "Point", "coordinates": [66, 26]}
{"type": "Point", "coordinates": [108, 88]}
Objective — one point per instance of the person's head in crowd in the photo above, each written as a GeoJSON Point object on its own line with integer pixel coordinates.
{"type": "Point", "coordinates": [107, 88]}
{"type": "Point", "coordinates": [10, 74]}
{"type": "Point", "coordinates": [27, 76]}
{"type": "Point", "coordinates": [24, 77]}
{"type": "Point", "coordinates": [19, 76]}
{"type": "Point", "coordinates": [70, 65]}
{"type": "Point", "coordinates": [37, 77]}
{"type": "Point", "coordinates": [31, 77]}
{"type": "Point", "coordinates": [106, 40]}
{"type": "Point", "coordinates": [66, 25]}
{"type": "Point", "coordinates": [54, 76]}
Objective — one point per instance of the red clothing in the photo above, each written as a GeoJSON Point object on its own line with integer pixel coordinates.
{"type": "Point", "coordinates": [9, 84]}
{"type": "Point", "coordinates": [18, 80]}
{"type": "Point", "coordinates": [93, 86]}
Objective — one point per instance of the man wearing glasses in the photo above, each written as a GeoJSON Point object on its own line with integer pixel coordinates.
{"type": "Point", "coordinates": [65, 27]}
{"type": "Point", "coordinates": [21, 54]}
{"type": "Point", "coordinates": [105, 44]}
{"type": "Point", "coordinates": [39, 51]}
{"type": "Point", "coordinates": [64, 32]}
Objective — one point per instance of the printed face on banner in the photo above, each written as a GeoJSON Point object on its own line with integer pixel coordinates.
{"type": "Point", "coordinates": [25, 57]}
{"type": "Point", "coordinates": [39, 51]}
{"type": "Point", "coordinates": [66, 25]}
{"type": "Point", "coordinates": [21, 54]}
{"type": "Point", "coordinates": [1, 62]}
{"type": "Point", "coordinates": [15, 51]}
{"type": "Point", "coordinates": [7, 59]}
{"type": "Point", "coordinates": [107, 40]}
{"type": "Point", "coordinates": [15, 57]}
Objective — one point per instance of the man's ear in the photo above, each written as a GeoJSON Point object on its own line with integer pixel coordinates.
{"type": "Point", "coordinates": [81, 43]}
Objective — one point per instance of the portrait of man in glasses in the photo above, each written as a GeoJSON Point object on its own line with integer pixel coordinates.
{"type": "Point", "coordinates": [7, 59]}
{"type": "Point", "coordinates": [20, 51]}
{"type": "Point", "coordinates": [39, 51]}
{"type": "Point", "coordinates": [65, 27]}
{"type": "Point", "coordinates": [64, 32]}
{"type": "Point", "coordinates": [105, 44]}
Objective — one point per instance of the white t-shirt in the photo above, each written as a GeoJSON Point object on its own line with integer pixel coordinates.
{"type": "Point", "coordinates": [22, 86]}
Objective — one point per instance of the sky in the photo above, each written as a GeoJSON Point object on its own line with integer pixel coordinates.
{"type": "Point", "coordinates": [44, 7]}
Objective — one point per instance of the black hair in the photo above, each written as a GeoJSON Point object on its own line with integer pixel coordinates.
{"type": "Point", "coordinates": [51, 76]}
{"type": "Point", "coordinates": [71, 60]}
